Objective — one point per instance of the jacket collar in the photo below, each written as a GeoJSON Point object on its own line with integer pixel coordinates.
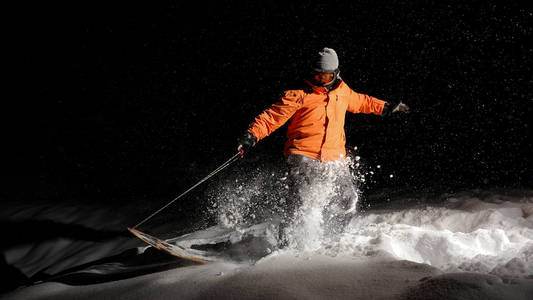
{"type": "Point", "coordinates": [323, 89]}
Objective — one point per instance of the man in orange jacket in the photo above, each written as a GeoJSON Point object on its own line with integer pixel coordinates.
{"type": "Point", "coordinates": [315, 134]}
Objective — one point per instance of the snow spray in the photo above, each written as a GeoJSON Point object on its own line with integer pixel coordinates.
{"type": "Point", "coordinates": [263, 194]}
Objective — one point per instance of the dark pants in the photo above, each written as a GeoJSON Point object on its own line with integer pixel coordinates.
{"type": "Point", "coordinates": [322, 200]}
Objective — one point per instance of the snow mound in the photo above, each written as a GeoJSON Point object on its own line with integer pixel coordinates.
{"type": "Point", "coordinates": [492, 236]}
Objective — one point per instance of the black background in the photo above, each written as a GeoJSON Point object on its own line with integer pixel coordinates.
{"type": "Point", "coordinates": [138, 102]}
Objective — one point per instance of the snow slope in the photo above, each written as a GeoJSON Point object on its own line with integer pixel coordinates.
{"type": "Point", "coordinates": [473, 245]}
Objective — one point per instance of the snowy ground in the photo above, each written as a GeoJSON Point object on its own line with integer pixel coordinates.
{"type": "Point", "coordinates": [473, 245]}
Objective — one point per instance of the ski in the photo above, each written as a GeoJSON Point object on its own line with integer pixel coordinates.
{"type": "Point", "coordinates": [188, 254]}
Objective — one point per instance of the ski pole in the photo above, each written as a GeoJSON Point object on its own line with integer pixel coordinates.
{"type": "Point", "coordinates": [220, 168]}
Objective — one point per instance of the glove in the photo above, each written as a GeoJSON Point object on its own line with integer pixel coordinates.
{"type": "Point", "coordinates": [392, 108]}
{"type": "Point", "coordinates": [246, 142]}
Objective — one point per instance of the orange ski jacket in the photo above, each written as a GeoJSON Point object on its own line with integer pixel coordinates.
{"type": "Point", "coordinates": [316, 126]}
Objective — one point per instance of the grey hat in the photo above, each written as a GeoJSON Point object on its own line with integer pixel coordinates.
{"type": "Point", "coordinates": [327, 61]}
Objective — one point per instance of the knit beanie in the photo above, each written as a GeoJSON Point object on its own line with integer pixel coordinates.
{"type": "Point", "coordinates": [326, 61]}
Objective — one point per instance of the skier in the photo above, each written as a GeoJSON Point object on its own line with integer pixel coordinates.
{"type": "Point", "coordinates": [316, 138]}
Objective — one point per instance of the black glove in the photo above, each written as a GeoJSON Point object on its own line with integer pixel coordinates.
{"type": "Point", "coordinates": [392, 108]}
{"type": "Point", "coordinates": [246, 142]}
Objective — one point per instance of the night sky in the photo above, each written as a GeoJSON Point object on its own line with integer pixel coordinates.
{"type": "Point", "coordinates": [141, 101]}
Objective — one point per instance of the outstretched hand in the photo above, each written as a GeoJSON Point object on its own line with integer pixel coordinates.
{"type": "Point", "coordinates": [393, 108]}
{"type": "Point", "coordinates": [401, 107]}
